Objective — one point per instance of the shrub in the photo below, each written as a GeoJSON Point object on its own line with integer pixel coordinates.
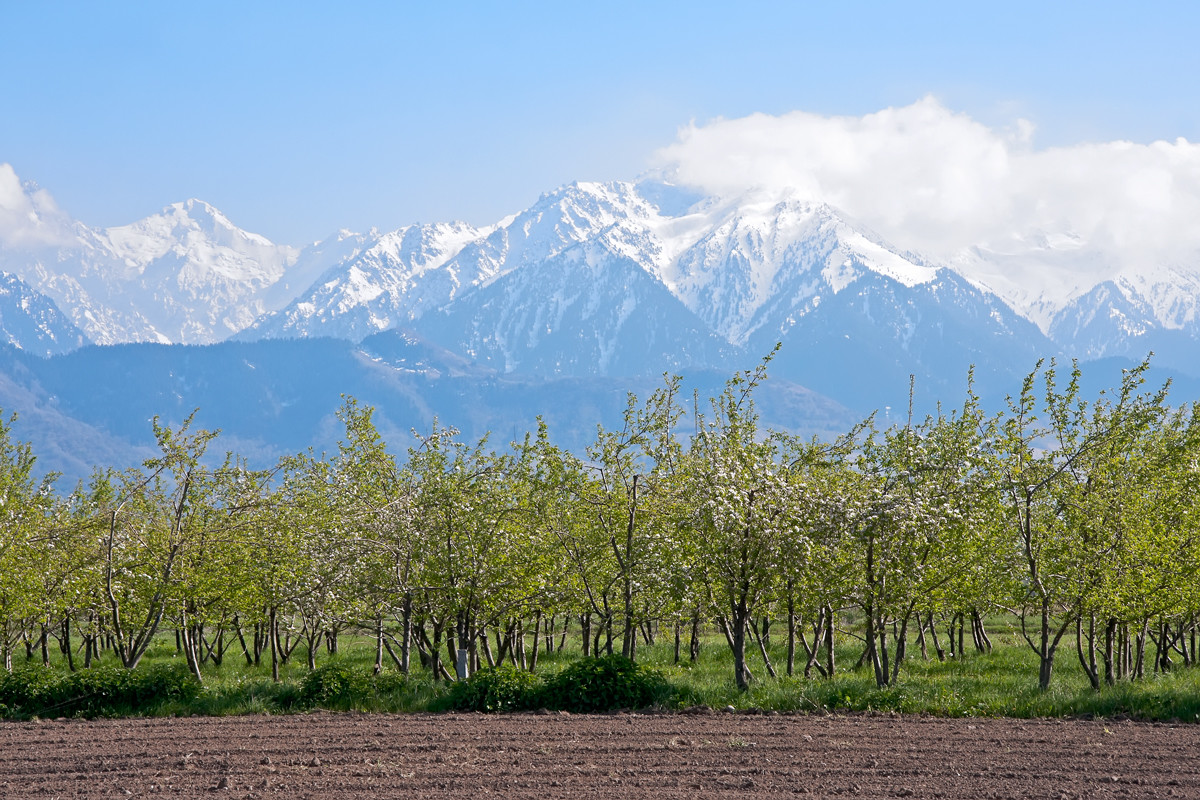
{"type": "Point", "coordinates": [604, 683]}
{"type": "Point", "coordinates": [335, 685]}
{"type": "Point", "coordinates": [96, 692]}
{"type": "Point", "coordinates": [389, 684]}
{"type": "Point", "coordinates": [161, 683]}
{"type": "Point", "coordinates": [496, 689]}
{"type": "Point", "coordinates": [28, 688]}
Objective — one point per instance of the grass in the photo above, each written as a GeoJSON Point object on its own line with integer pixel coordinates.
{"type": "Point", "coordinates": [1002, 683]}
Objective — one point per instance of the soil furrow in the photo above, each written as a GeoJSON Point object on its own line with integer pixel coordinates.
{"type": "Point", "coordinates": [617, 756]}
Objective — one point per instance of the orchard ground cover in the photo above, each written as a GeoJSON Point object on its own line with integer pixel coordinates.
{"type": "Point", "coordinates": [973, 684]}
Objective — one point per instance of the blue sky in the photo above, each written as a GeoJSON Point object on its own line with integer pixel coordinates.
{"type": "Point", "coordinates": [298, 119]}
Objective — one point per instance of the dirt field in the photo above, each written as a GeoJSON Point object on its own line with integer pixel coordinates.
{"type": "Point", "coordinates": [626, 755]}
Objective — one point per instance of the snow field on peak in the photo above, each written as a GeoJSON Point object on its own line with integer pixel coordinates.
{"type": "Point", "coordinates": [204, 240]}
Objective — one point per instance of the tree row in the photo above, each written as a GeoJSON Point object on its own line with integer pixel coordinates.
{"type": "Point", "coordinates": [1077, 516]}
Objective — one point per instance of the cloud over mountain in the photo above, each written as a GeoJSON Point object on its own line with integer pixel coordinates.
{"type": "Point", "coordinates": [28, 215]}
{"type": "Point", "coordinates": [939, 182]}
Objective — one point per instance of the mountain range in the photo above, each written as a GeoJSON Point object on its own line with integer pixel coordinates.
{"type": "Point", "coordinates": [592, 290]}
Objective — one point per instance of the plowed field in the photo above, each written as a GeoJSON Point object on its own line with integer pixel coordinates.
{"type": "Point", "coordinates": [624, 755]}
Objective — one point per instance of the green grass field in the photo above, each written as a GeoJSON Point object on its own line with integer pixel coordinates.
{"type": "Point", "coordinates": [1000, 683]}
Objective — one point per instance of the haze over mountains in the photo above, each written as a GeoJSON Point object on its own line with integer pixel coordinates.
{"type": "Point", "coordinates": [592, 290]}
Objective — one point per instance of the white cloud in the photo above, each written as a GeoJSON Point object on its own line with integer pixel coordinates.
{"type": "Point", "coordinates": [29, 217]}
{"type": "Point", "coordinates": [937, 182]}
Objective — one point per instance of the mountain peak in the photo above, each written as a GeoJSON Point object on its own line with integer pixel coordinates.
{"type": "Point", "coordinates": [200, 210]}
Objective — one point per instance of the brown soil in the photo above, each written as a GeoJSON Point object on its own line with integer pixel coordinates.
{"type": "Point", "coordinates": [625, 755]}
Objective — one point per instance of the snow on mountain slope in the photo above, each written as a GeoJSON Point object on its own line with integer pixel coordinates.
{"type": "Point", "coordinates": [185, 275]}
{"type": "Point", "coordinates": [312, 262]}
{"type": "Point", "coordinates": [201, 243]}
{"type": "Point", "coordinates": [384, 282]}
{"type": "Point", "coordinates": [572, 214]}
{"type": "Point", "coordinates": [208, 276]}
{"type": "Point", "coordinates": [1133, 315]}
{"type": "Point", "coordinates": [1093, 304]}
{"type": "Point", "coordinates": [859, 345]}
{"type": "Point", "coordinates": [759, 249]}
{"type": "Point", "coordinates": [1037, 275]}
{"type": "Point", "coordinates": [632, 279]}
{"type": "Point", "coordinates": [400, 276]}
{"type": "Point", "coordinates": [31, 321]}
{"type": "Point", "coordinates": [587, 310]}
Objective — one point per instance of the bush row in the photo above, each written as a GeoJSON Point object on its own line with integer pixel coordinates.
{"type": "Point", "coordinates": [101, 691]}
{"type": "Point", "coordinates": [590, 684]}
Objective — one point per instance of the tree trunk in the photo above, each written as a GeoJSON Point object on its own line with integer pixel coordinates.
{"type": "Point", "coordinates": [331, 639]}
{"type": "Point", "coordinates": [187, 639]}
{"type": "Point", "coordinates": [1087, 654]}
{"type": "Point", "coordinates": [378, 643]}
{"type": "Point", "coordinates": [737, 636]}
{"type": "Point", "coordinates": [406, 635]}
{"type": "Point", "coordinates": [1110, 635]}
{"type": "Point", "coordinates": [762, 648]}
{"type": "Point", "coordinates": [982, 642]}
{"type": "Point", "coordinates": [387, 646]}
{"type": "Point", "coordinates": [435, 652]}
{"type": "Point", "coordinates": [829, 655]}
{"type": "Point", "coordinates": [272, 637]}
{"type": "Point", "coordinates": [487, 648]}
{"type": "Point", "coordinates": [812, 654]}
{"type": "Point", "coordinates": [68, 651]}
{"type": "Point", "coordinates": [1048, 644]}
{"type": "Point", "coordinates": [1139, 666]}
{"type": "Point", "coordinates": [537, 626]}
{"type": "Point", "coordinates": [518, 645]}
{"type": "Point", "coordinates": [901, 644]}
{"type": "Point", "coordinates": [791, 631]}
{"type": "Point", "coordinates": [937, 646]}
{"type": "Point", "coordinates": [237, 629]}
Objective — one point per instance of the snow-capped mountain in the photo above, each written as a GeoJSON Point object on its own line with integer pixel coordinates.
{"type": "Point", "coordinates": [853, 313]}
{"type": "Point", "coordinates": [1093, 303]}
{"type": "Point", "coordinates": [379, 282]}
{"type": "Point", "coordinates": [31, 321]}
{"type": "Point", "coordinates": [765, 261]}
{"type": "Point", "coordinates": [621, 278]}
{"type": "Point", "coordinates": [588, 310]}
{"type": "Point", "coordinates": [717, 284]}
{"type": "Point", "coordinates": [1133, 315]}
{"type": "Point", "coordinates": [184, 275]}
{"type": "Point", "coordinates": [399, 276]}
